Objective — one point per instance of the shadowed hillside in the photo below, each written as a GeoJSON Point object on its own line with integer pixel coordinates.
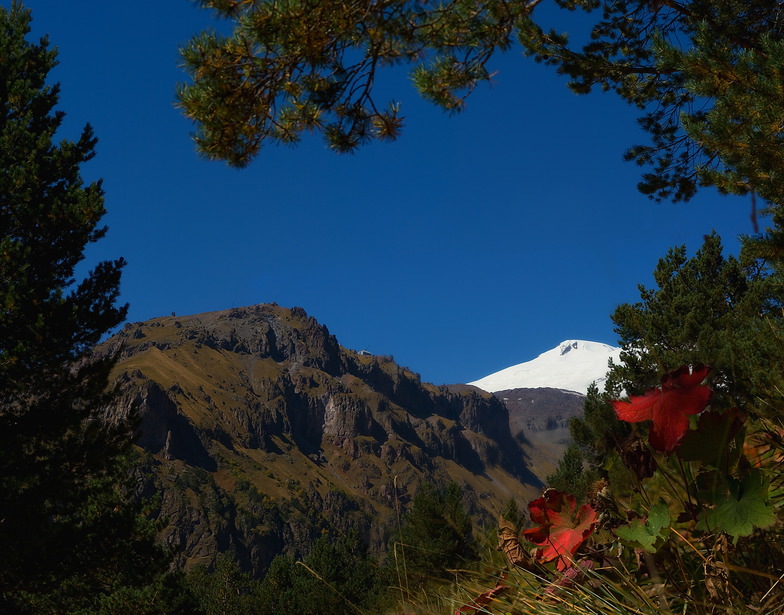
{"type": "Point", "coordinates": [260, 432]}
{"type": "Point", "coordinates": [539, 420]}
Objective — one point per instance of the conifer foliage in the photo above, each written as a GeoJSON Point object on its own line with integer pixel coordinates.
{"type": "Point", "coordinates": [306, 65]}
{"type": "Point", "coordinates": [706, 75]}
{"type": "Point", "coordinates": [706, 72]}
{"type": "Point", "coordinates": [69, 537]}
{"type": "Point", "coordinates": [436, 535]}
{"type": "Point", "coordinates": [713, 309]}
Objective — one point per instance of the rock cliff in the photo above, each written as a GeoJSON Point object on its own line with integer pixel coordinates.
{"type": "Point", "coordinates": [259, 431]}
{"type": "Point", "coordinates": [539, 420]}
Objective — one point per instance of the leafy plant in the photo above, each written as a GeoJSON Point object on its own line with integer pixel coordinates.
{"type": "Point", "coordinates": [692, 522]}
{"type": "Point", "coordinates": [744, 507]}
{"type": "Point", "coordinates": [651, 533]}
{"type": "Point", "coordinates": [669, 407]}
{"type": "Point", "coordinates": [562, 527]}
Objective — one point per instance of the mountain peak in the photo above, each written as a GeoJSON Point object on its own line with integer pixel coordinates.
{"type": "Point", "coordinates": [259, 414]}
{"type": "Point", "coordinates": [572, 366]}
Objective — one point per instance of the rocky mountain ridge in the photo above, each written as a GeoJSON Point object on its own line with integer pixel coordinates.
{"type": "Point", "coordinates": [260, 432]}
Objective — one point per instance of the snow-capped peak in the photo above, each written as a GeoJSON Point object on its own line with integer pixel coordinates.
{"type": "Point", "coordinates": [572, 366]}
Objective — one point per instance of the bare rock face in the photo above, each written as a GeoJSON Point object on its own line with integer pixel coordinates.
{"type": "Point", "coordinates": [539, 420]}
{"type": "Point", "coordinates": [260, 432]}
{"type": "Point", "coordinates": [540, 409]}
{"type": "Point", "coordinates": [166, 431]}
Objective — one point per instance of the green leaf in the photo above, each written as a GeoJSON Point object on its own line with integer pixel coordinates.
{"type": "Point", "coordinates": [648, 534]}
{"type": "Point", "coordinates": [746, 507]}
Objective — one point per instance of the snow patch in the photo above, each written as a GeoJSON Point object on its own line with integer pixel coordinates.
{"type": "Point", "coordinates": [572, 365]}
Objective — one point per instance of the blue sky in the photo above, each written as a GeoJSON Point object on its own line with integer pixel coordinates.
{"type": "Point", "coordinates": [474, 242]}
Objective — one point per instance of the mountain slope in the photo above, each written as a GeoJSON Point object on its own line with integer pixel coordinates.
{"type": "Point", "coordinates": [539, 420]}
{"type": "Point", "coordinates": [571, 366]}
{"type": "Point", "coordinates": [542, 396]}
{"type": "Point", "coordinates": [260, 432]}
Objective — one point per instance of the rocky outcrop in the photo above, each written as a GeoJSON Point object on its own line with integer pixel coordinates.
{"type": "Point", "coordinates": [261, 432]}
{"type": "Point", "coordinates": [164, 430]}
{"type": "Point", "coordinates": [539, 420]}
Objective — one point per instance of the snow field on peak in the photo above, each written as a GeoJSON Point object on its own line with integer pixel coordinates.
{"type": "Point", "coordinates": [571, 366]}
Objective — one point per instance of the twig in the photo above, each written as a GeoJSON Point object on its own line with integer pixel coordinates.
{"type": "Point", "coordinates": [773, 587]}
{"type": "Point", "coordinates": [686, 540]}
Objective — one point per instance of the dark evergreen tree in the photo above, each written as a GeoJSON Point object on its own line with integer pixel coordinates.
{"type": "Point", "coordinates": [512, 514]}
{"type": "Point", "coordinates": [436, 532]}
{"type": "Point", "coordinates": [571, 475]}
{"type": "Point", "coordinates": [721, 311]}
{"type": "Point", "coordinates": [342, 572]}
{"type": "Point", "coordinates": [226, 590]}
{"type": "Point", "coordinates": [278, 591]}
{"type": "Point", "coordinates": [337, 577]}
{"type": "Point", "coordinates": [598, 431]}
{"type": "Point", "coordinates": [595, 436]}
{"type": "Point", "coordinates": [71, 540]}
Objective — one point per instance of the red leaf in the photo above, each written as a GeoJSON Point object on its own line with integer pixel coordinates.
{"type": "Point", "coordinates": [561, 530]}
{"type": "Point", "coordinates": [681, 394]}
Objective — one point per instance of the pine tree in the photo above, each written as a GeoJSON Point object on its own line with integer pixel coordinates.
{"type": "Point", "coordinates": [226, 590]}
{"type": "Point", "coordinates": [70, 538]}
{"type": "Point", "coordinates": [706, 75]}
{"type": "Point", "coordinates": [571, 476]}
{"type": "Point", "coordinates": [721, 311]}
{"type": "Point", "coordinates": [338, 576]}
{"type": "Point", "coordinates": [311, 65]}
{"type": "Point", "coordinates": [595, 436]}
{"type": "Point", "coordinates": [436, 533]}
